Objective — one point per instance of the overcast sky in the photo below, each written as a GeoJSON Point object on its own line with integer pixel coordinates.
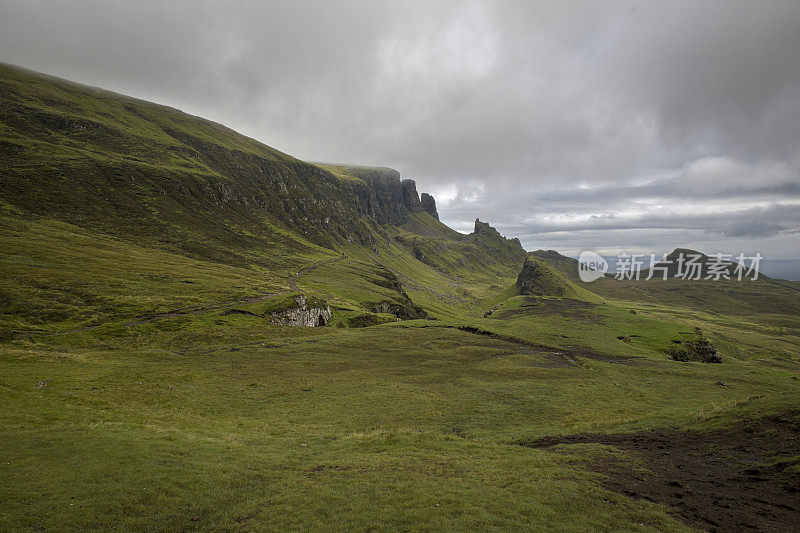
{"type": "Point", "coordinates": [637, 126]}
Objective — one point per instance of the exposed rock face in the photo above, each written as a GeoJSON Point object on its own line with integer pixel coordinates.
{"type": "Point", "coordinates": [302, 315]}
{"type": "Point", "coordinates": [386, 198]}
{"type": "Point", "coordinates": [484, 227]}
{"type": "Point", "coordinates": [381, 198]}
{"type": "Point", "coordinates": [401, 311]}
{"type": "Point", "coordinates": [192, 172]}
{"type": "Point", "coordinates": [410, 197]}
{"type": "Point", "coordinates": [489, 238]}
{"type": "Point", "coordinates": [429, 205]}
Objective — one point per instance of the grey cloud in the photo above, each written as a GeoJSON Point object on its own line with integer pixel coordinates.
{"type": "Point", "coordinates": [754, 228]}
{"type": "Point", "coordinates": [552, 120]}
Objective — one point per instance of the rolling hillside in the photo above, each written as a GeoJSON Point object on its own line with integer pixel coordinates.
{"type": "Point", "coordinates": [151, 261]}
{"type": "Point", "coordinates": [92, 169]}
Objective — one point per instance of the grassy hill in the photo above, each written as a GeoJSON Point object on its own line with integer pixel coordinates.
{"type": "Point", "coordinates": [145, 387]}
{"type": "Point", "coordinates": [80, 162]}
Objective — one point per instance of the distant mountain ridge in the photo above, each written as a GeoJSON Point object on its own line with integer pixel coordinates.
{"type": "Point", "coordinates": [84, 154]}
{"type": "Point", "coordinates": [155, 177]}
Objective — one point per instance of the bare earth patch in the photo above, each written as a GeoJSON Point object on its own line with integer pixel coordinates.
{"type": "Point", "coordinates": [740, 479]}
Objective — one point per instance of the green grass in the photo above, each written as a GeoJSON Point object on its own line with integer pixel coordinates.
{"type": "Point", "coordinates": [206, 416]}
{"type": "Point", "coordinates": [132, 398]}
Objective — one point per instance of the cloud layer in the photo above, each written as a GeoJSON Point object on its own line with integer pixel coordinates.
{"type": "Point", "coordinates": [615, 125]}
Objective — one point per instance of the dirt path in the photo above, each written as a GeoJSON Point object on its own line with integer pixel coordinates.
{"type": "Point", "coordinates": [409, 284]}
{"type": "Point", "coordinates": [738, 479]}
{"type": "Point", "coordinates": [200, 309]}
{"type": "Point", "coordinates": [557, 357]}
{"type": "Point", "coordinates": [306, 270]}
{"type": "Point", "coordinates": [553, 357]}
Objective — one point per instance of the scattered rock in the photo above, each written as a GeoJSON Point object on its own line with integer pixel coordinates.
{"type": "Point", "coordinates": [429, 205]}
{"type": "Point", "coordinates": [488, 313]}
{"type": "Point", "coordinates": [317, 314]}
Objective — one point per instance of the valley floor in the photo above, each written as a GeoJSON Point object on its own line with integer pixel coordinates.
{"type": "Point", "coordinates": [222, 422]}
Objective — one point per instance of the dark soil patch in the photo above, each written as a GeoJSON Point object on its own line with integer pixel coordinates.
{"type": "Point", "coordinates": [732, 480]}
{"type": "Point", "coordinates": [553, 358]}
{"type": "Point", "coordinates": [319, 469]}
{"type": "Point", "coordinates": [228, 312]}
{"type": "Point", "coordinates": [556, 359]}
{"type": "Point", "coordinates": [567, 307]}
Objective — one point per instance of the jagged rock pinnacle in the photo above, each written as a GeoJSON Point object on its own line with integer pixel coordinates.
{"type": "Point", "coordinates": [429, 205]}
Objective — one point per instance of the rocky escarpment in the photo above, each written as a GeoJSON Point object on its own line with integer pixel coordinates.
{"type": "Point", "coordinates": [490, 239]}
{"type": "Point", "coordinates": [386, 198]}
{"type": "Point", "coordinates": [135, 170]}
{"type": "Point", "coordinates": [429, 205]}
{"type": "Point", "coordinates": [485, 231]}
{"type": "Point", "coordinates": [311, 314]}
{"type": "Point", "coordinates": [410, 197]}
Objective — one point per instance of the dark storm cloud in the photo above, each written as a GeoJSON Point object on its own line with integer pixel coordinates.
{"type": "Point", "coordinates": [571, 125]}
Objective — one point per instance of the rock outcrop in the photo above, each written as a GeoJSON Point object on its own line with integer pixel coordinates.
{"type": "Point", "coordinates": [491, 240]}
{"type": "Point", "coordinates": [410, 197]}
{"type": "Point", "coordinates": [404, 311]}
{"type": "Point", "coordinates": [484, 228]}
{"type": "Point", "coordinates": [191, 172]}
{"type": "Point", "coordinates": [386, 198]}
{"type": "Point", "coordinates": [429, 205]}
{"type": "Point", "coordinates": [303, 315]}
{"type": "Point", "coordinates": [536, 279]}
{"type": "Point", "coordinates": [700, 349]}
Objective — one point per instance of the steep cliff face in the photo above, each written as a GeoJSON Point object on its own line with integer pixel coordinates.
{"type": "Point", "coordinates": [383, 197]}
{"type": "Point", "coordinates": [135, 170]}
{"type": "Point", "coordinates": [386, 198]}
{"type": "Point", "coordinates": [429, 205]}
{"type": "Point", "coordinates": [410, 196]}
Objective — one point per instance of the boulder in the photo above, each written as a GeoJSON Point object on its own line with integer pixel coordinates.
{"type": "Point", "coordinates": [317, 315]}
